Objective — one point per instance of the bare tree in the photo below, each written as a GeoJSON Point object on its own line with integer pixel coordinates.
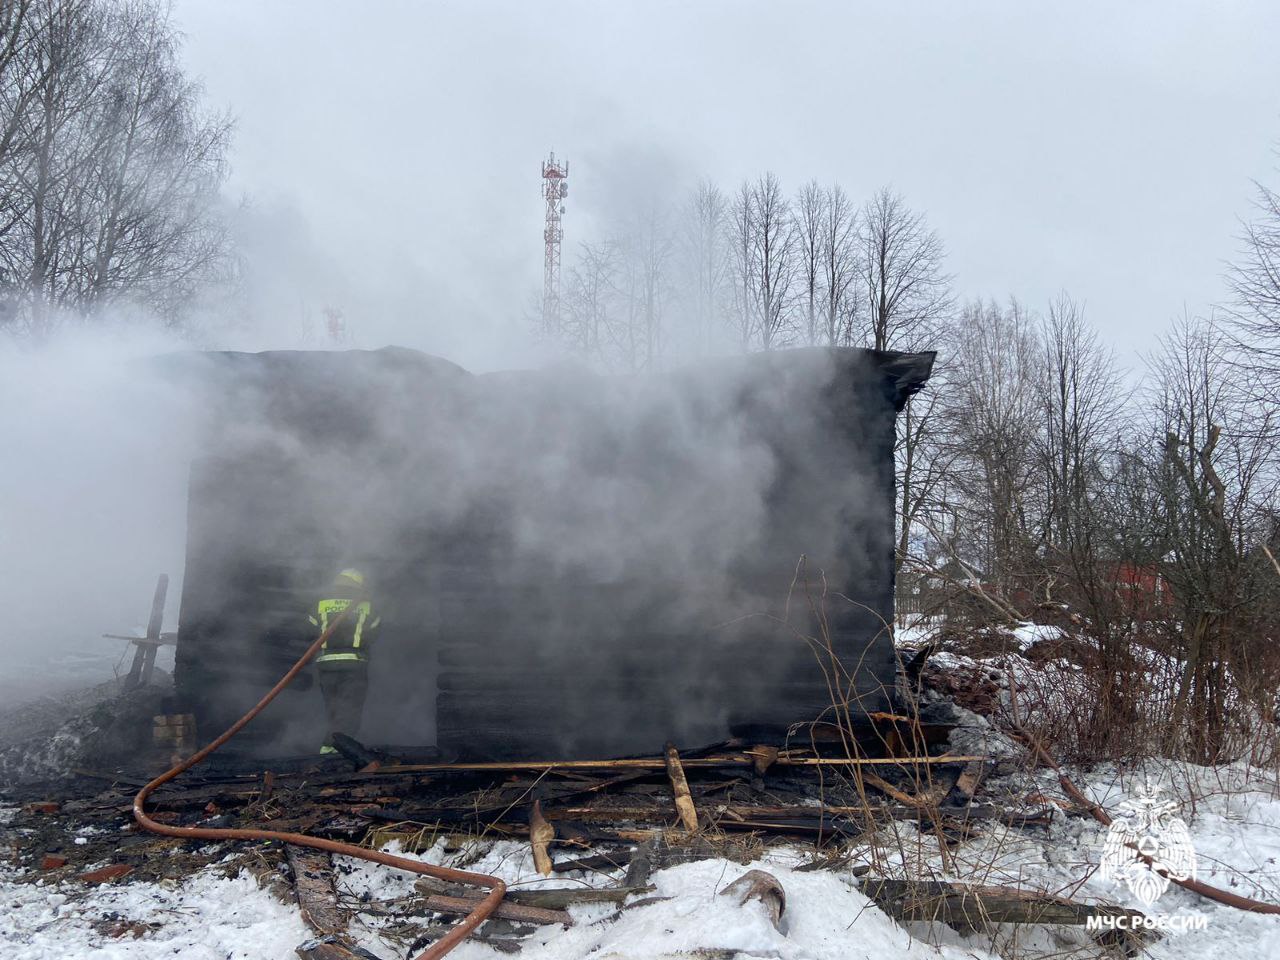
{"type": "Point", "coordinates": [588, 300]}
{"type": "Point", "coordinates": [742, 260]}
{"type": "Point", "coordinates": [994, 423]}
{"type": "Point", "coordinates": [16, 76]}
{"type": "Point", "coordinates": [1216, 491]}
{"type": "Point", "coordinates": [706, 257]}
{"type": "Point", "coordinates": [1255, 282]}
{"type": "Point", "coordinates": [809, 221]}
{"type": "Point", "coordinates": [643, 286]}
{"type": "Point", "coordinates": [618, 292]}
{"type": "Point", "coordinates": [155, 212]}
{"type": "Point", "coordinates": [1079, 403]}
{"type": "Point", "coordinates": [838, 252]}
{"type": "Point", "coordinates": [112, 172]}
{"type": "Point", "coordinates": [774, 260]}
{"type": "Point", "coordinates": [906, 288]}
{"type": "Point", "coordinates": [908, 301]}
{"type": "Point", "coordinates": [924, 463]}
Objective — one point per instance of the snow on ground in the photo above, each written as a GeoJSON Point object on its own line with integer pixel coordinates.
{"type": "Point", "coordinates": [826, 916]}
{"type": "Point", "coordinates": [207, 917]}
{"type": "Point", "coordinates": [1234, 819]}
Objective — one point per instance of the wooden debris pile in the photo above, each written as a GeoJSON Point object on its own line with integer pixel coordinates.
{"type": "Point", "coordinates": [623, 818]}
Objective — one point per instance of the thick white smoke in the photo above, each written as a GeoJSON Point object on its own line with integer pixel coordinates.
{"type": "Point", "coordinates": [93, 472]}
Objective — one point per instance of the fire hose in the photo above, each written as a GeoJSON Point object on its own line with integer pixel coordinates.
{"type": "Point", "coordinates": [436, 950]}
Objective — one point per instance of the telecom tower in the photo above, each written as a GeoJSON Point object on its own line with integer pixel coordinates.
{"type": "Point", "coordinates": [555, 187]}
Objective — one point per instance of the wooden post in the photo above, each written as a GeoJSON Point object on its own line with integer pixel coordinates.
{"type": "Point", "coordinates": [541, 834]}
{"type": "Point", "coordinates": [144, 657]}
{"type": "Point", "coordinates": [680, 787]}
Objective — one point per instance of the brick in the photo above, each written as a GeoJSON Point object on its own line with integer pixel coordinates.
{"type": "Point", "coordinates": [52, 861]}
{"type": "Point", "coordinates": [113, 872]}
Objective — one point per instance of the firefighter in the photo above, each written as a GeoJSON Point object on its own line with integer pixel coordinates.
{"type": "Point", "coordinates": [343, 662]}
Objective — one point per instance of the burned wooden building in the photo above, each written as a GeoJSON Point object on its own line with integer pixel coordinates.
{"type": "Point", "coordinates": [566, 563]}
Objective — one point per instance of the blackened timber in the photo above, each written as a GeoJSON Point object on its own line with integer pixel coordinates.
{"type": "Point", "coordinates": [597, 862]}
{"type": "Point", "coordinates": [490, 628]}
{"type": "Point", "coordinates": [970, 907]}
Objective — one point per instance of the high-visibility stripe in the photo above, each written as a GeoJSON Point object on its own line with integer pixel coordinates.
{"type": "Point", "coordinates": [327, 657]}
{"type": "Point", "coordinates": [363, 610]}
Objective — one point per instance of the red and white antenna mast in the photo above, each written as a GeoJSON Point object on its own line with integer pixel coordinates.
{"type": "Point", "coordinates": [555, 187]}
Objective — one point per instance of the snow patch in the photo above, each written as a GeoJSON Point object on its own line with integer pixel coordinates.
{"type": "Point", "coordinates": [207, 917]}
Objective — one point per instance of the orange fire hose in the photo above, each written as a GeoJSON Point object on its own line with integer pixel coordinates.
{"type": "Point", "coordinates": [437, 949]}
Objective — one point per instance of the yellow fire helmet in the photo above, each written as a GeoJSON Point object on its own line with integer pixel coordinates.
{"type": "Point", "coordinates": [349, 578]}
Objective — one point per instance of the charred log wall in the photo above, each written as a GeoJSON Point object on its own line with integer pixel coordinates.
{"type": "Point", "coordinates": [565, 565]}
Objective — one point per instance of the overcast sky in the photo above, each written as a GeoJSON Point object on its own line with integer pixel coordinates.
{"type": "Point", "coordinates": [392, 149]}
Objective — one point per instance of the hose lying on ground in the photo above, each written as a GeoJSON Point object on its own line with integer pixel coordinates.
{"type": "Point", "coordinates": [1195, 886]}
{"type": "Point", "coordinates": [436, 950]}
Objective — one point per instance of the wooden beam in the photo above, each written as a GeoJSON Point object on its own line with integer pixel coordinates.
{"type": "Point", "coordinates": [461, 906]}
{"type": "Point", "coordinates": [546, 898]}
{"type": "Point", "coordinates": [313, 883]}
{"type": "Point", "coordinates": [166, 639]}
{"type": "Point", "coordinates": [660, 763]}
{"type": "Point", "coordinates": [144, 656]}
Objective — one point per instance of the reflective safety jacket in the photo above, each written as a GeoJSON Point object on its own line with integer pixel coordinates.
{"type": "Point", "coordinates": [350, 642]}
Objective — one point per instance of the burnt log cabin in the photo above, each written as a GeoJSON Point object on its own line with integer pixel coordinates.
{"type": "Point", "coordinates": [566, 564]}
